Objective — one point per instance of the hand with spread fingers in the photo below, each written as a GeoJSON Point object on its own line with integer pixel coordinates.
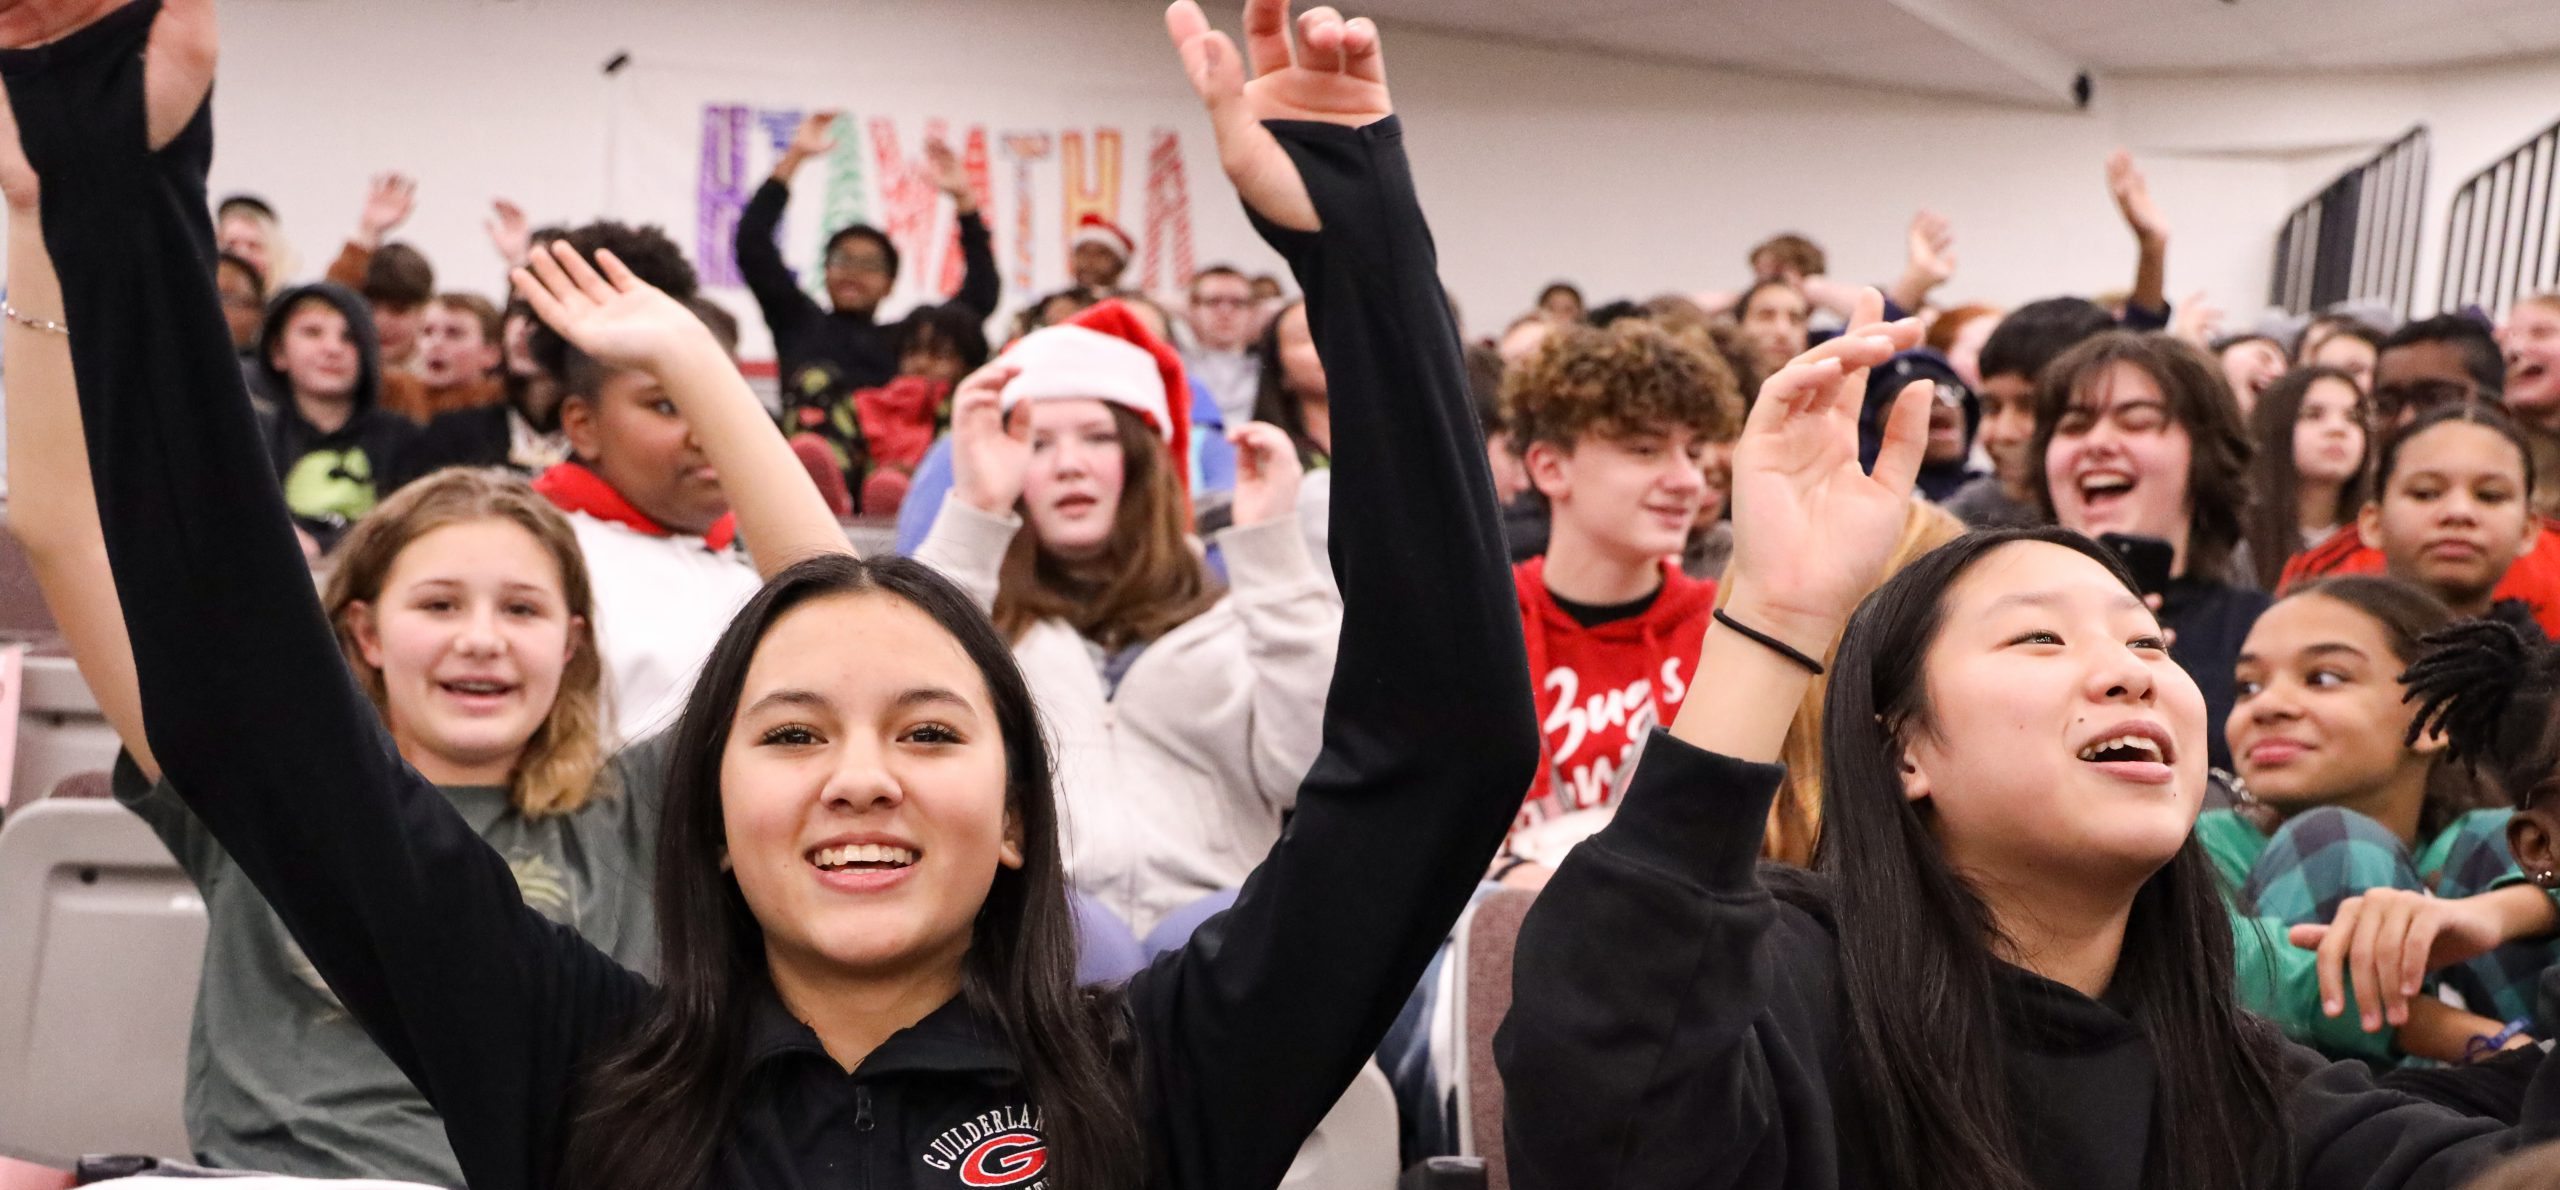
{"type": "Point", "coordinates": [1336, 73]}
{"type": "Point", "coordinates": [1812, 529]}
{"type": "Point", "coordinates": [611, 314]}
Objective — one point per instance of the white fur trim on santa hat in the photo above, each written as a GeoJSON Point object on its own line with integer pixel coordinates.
{"type": "Point", "coordinates": [1072, 363]}
{"type": "Point", "coordinates": [1094, 229]}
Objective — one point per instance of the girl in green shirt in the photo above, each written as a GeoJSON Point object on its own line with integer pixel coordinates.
{"type": "Point", "coordinates": [2357, 861]}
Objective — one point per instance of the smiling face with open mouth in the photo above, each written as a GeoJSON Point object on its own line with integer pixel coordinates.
{"type": "Point", "coordinates": [2532, 343]}
{"type": "Point", "coordinates": [2062, 737]}
{"type": "Point", "coordinates": [470, 634]}
{"type": "Point", "coordinates": [2119, 462]}
{"type": "Point", "coordinates": [862, 792]}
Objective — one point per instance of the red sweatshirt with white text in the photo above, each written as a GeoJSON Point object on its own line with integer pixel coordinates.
{"type": "Point", "coordinates": [1601, 689]}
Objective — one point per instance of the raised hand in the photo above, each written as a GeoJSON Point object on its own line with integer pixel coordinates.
{"type": "Point", "coordinates": [509, 232]}
{"type": "Point", "coordinates": [1336, 74]}
{"type": "Point", "coordinates": [621, 320]}
{"type": "Point", "coordinates": [177, 71]}
{"type": "Point", "coordinates": [1267, 473]}
{"type": "Point", "coordinates": [950, 175]}
{"type": "Point", "coordinates": [1812, 531]}
{"type": "Point", "coordinates": [989, 452]}
{"type": "Point", "coordinates": [1931, 246]}
{"type": "Point", "coordinates": [815, 137]}
{"type": "Point", "coordinates": [2132, 193]}
{"type": "Point", "coordinates": [2198, 320]}
{"type": "Point", "coordinates": [387, 204]}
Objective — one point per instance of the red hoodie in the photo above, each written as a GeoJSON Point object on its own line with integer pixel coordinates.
{"type": "Point", "coordinates": [1601, 689]}
{"type": "Point", "coordinates": [2533, 578]}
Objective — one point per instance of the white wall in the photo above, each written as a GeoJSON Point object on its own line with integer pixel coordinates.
{"type": "Point", "coordinates": [1629, 178]}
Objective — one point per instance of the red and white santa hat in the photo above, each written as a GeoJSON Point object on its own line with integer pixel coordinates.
{"type": "Point", "coordinates": [1094, 229]}
{"type": "Point", "coordinates": [1107, 353]}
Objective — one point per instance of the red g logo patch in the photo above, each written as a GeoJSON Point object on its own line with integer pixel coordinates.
{"type": "Point", "coordinates": [1006, 1159]}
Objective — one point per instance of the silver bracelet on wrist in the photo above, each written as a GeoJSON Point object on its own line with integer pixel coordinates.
{"type": "Point", "coordinates": [47, 325]}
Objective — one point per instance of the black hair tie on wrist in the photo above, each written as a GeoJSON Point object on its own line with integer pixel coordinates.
{"type": "Point", "coordinates": [1771, 643]}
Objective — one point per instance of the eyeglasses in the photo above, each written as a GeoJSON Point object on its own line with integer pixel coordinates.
{"type": "Point", "coordinates": [2393, 400]}
{"type": "Point", "coordinates": [1223, 303]}
{"type": "Point", "coordinates": [848, 262]}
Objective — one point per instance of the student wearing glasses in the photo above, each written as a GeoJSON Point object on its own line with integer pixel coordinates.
{"type": "Point", "coordinates": [845, 347]}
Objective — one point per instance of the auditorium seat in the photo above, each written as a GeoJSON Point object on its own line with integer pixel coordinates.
{"type": "Point", "coordinates": [60, 731]}
{"type": "Point", "coordinates": [101, 939]}
{"type": "Point", "coordinates": [1481, 984]}
{"type": "Point", "coordinates": [1355, 1147]}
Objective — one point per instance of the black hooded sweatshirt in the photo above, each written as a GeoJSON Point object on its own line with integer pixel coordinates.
{"type": "Point", "coordinates": [1674, 1024]}
{"type": "Point", "coordinates": [1241, 1041]}
{"type": "Point", "coordinates": [332, 478]}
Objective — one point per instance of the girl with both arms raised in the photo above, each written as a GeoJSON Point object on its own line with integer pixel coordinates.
{"type": "Point", "coordinates": [2012, 967]}
{"type": "Point", "coordinates": [863, 923]}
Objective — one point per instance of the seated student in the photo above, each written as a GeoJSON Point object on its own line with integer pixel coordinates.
{"type": "Point", "coordinates": [1221, 355]}
{"type": "Point", "coordinates": [2448, 509]}
{"type": "Point", "coordinates": [2339, 799]}
{"type": "Point", "coordinates": [2307, 477]}
{"type": "Point", "coordinates": [2139, 436]}
{"type": "Point", "coordinates": [462, 609]}
{"type": "Point", "coordinates": [1954, 414]}
{"type": "Point", "coordinates": [2343, 342]}
{"type": "Point", "coordinates": [2531, 339]}
{"type": "Point", "coordinates": [1184, 715]}
{"type": "Point", "coordinates": [649, 507]}
{"type": "Point", "coordinates": [244, 302]}
{"type": "Point", "coordinates": [1777, 320]}
{"type": "Point", "coordinates": [878, 436]}
{"type": "Point", "coordinates": [844, 344]}
{"type": "Point", "coordinates": [521, 433]}
{"type": "Point", "coordinates": [460, 354]}
{"type": "Point", "coordinates": [2250, 362]}
{"type": "Point", "coordinates": [2027, 339]}
{"type": "Point", "coordinates": [332, 443]}
{"type": "Point", "coordinates": [1097, 255]}
{"type": "Point", "coordinates": [246, 226]}
{"type": "Point", "coordinates": [2012, 969]}
{"type": "Point", "coordinates": [860, 866]}
{"type": "Point", "coordinates": [2445, 360]}
{"type": "Point", "coordinates": [1614, 426]}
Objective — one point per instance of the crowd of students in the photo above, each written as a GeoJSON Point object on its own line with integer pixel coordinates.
{"type": "Point", "coordinates": [1948, 745]}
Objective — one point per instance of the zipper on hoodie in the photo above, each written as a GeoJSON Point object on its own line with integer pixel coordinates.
{"type": "Point", "coordinates": [862, 1109]}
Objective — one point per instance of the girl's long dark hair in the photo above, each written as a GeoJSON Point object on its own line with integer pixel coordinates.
{"type": "Point", "coordinates": [1919, 968]}
{"type": "Point", "coordinates": [2274, 525]}
{"type": "Point", "coordinates": [653, 1106]}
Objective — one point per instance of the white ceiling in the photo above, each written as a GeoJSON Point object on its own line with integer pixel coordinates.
{"type": "Point", "coordinates": [2016, 50]}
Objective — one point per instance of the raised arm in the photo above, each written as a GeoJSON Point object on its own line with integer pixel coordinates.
{"type": "Point", "coordinates": [415, 922]}
{"type": "Point", "coordinates": [1251, 1032]}
{"type": "Point", "coordinates": [625, 322]}
{"type": "Point", "coordinates": [788, 309]}
{"type": "Point", "coordinates": [981, 287]}
{"type": "Point", "coordinates": [2148, 306]}
{"type": "Point", "coordinates": [53, 513]}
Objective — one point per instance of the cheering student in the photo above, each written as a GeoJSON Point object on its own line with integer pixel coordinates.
{"type": "Point", "coordinates": [844, 346]}
{"type": "Point", "coordinates": [2012, 968]}
{"type": "Point", "coordinates": [860, 861]}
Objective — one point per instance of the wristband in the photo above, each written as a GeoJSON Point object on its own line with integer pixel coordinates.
{"type": "Point", "coordinates": [2489, 1045]}
{"type": "Point", "coordinates": [1771, 643]}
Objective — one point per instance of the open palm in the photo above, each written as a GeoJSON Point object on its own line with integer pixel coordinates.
{"type": "Point", "coordinates": [1812, 529]}
{"type": "Point", "coordinates": [1336, 74]}
{"type": "Point", "coordinates": [613, 315]}
{"type": "Point", "coordinates": [177, 70]}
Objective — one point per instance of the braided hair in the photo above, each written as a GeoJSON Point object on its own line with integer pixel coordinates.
{"type": "Point", "coordinates": [2492, 686]}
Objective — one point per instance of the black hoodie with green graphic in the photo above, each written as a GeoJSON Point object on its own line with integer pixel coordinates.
{"type": "Point", "coordinates": [331, 477]}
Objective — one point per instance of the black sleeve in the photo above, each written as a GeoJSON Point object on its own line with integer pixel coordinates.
{"type": "Point", "coordinates": [789, 311]}
{"type": "Point", "coordinates": [1251, 1032]}
{"type": "Point", "coordinates": [416, 924]}
{"type": "Point", "coordinates": [1635, 1052]}
{"type": "Point", "coordinates": [980, 288]}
